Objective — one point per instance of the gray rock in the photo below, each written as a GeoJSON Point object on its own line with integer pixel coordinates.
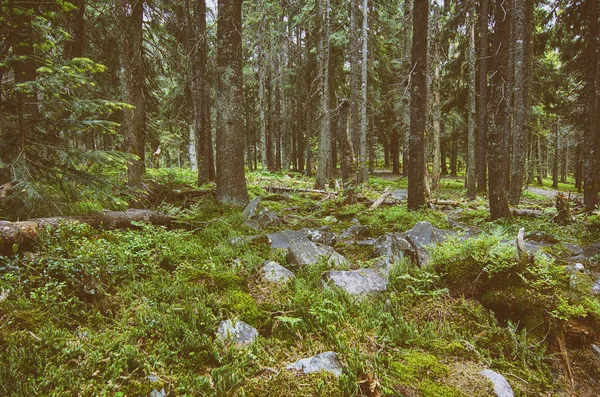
{"type": "Point", "coordinates": [303, 254]}
{"type": "Point", "coordinates": [576, 268]}
{"type": "Point", "coordinates": [323, 235]}
{"type": "Point", "coordinates": [267, 218]}
{"type": "Point", "coordinates": [152, 378]}
{"type": "Point", "coordinates": [399, 194]}
{"type": "Point", "coordinates": [276, 273]}
{"type": "Point", "coordinates": [157, 393]}
{"type": "Point", "coordinates": [390, 249]}
{"type": "Point", "coordinates": [541, 237]}
{"type": "Point", "coordinates": [326, 361]}
{"type": "Point", "coordinates": [243, 240]}
{"type": "Point", "coordinates": [252, 208]}
{"type": "Point", "coordinates": [592, 251]}
{"type": "Point", "coordinates": [422, 235]}
{"type": "Point", "coordinates": [501, 386]}
{"type": "Point", "coordinates": [285, 238]}
{"type": "Point", "coordinates": [236, 331]}
{"type": "Point", "coordinates": [356, 282]}
{"type": "Point", "coordinates": [596, 351]}
{"type": "Point", "coordinates": [596, 288]}
{"type": "Point", "coordinates": [572, 249]}
{"type": "Point", "coordinates": [356, 232]}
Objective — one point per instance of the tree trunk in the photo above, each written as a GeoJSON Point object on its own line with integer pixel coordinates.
{"type": "Point", "coordinates": [519, 133]}
{"type": "Point", "coordinates": [437, 111]}
{"type": "Point", "coordinates": [262, 103]}
{"type": "Point", "coordinates": [134, 120]}
{"type": "Point", "coordinates": [592, 101]}
{"type": "Point", "coordinates": [418, 108]}
{"type": "Point", "coordinates": [362, 170]}
{"type": "Point", "coordinates": [76, 28]}
{"type": "Point", "coordinates": [406, 65]}
{"type": "Point", "coordinates": [231, 180]}
{"type": "Point", "coordinates": [497, 118]}
{"type": "Point", "coordinates": [204, 147]}
{"type": "Point", "coordinates": [471, 166]}
{"type": "Point", "coordinates": [482, 135]}
{"type": "Point", "coordinates": [555, 161]}
{"type": "Point", "coordinates": [354, 74]}
{"type": "Point", "coordinates": [324, 161]}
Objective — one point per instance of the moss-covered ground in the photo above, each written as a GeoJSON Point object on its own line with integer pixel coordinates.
{"type": "Point", "coordinates": [97, 312]}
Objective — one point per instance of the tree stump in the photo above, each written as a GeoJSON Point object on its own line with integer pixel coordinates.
{"type": "Point", "coordinates": [563, 214]}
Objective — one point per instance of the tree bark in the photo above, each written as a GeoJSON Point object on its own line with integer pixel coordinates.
{"type": "Point", "coordinates": [482, 135]}
{"type": "Point", "coordinates": [555, 161]}
{"type": "Point", "coordinates": [131, 14]}
{"type": "Point", "coordinates": [231, 180]}
{"type": "Point", "coordinates": [362, 169]}
{"type": "Point", "coordinates": [406, 69]}
{"type": "Point", "coordinates": [497, 152]}
{"type": "Point", "coordinates": [519, 133]}
{"type": "Point", "coordinates": [324, 166]}
{"type": "Point", "coordinates": [354, 74]}
{"type": "Point", "coordinates": [436, 111]}
{"type": "Point", "coordinates": [418, 108]}
{"type": "Point", "coordinates": [471, 166]}
{"type": "Point", "coordinates": [592, 101]}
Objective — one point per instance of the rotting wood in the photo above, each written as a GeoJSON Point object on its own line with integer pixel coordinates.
{"type": "Point", "coordinates": [524, 255]}
{"type": "Point", "coordinates": [23, 234]}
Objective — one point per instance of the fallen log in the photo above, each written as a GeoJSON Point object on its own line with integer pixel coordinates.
{"type": "Point", "coordinates": [450, 203]}
{"type": "Point", "coordinates": [282, 189]}
{"type": "Point", "coordinates": [381, 198]}
{"type": "Point", "coordinates": [527, 213]}
{"type": "Point", "coordinates": [23, 234]}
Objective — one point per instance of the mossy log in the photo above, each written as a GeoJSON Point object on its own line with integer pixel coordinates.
{"type": "Point", "coordinates": [23, 234]}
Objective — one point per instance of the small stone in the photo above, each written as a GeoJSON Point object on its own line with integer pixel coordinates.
{"type": "Point", "coordinates": [357, 282]}
{"type": "Point", "coordinates": [326, 361]}
{"type": "Point", "coordinates": [323, 235]}
{"type": "Point", "coordinates": [238, 332]}
{"type": "Point", "coordinates": [501, 386]}
{"type": "Point", "coordinates": [276, 273]}
{"type": "Point", "coordinates": [152, 378]}
{"type": "Point", "coordinates": [596, 288]}
{"type": "Point", "coordinates": [157, 393]}
{"type": "Point", "coordinates": [596, 351]}
{"type": "Point", "coordinates": [252, 208]}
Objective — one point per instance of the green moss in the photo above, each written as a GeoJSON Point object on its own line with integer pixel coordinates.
{"type": "Point", "coordinates": [418, 365]}
{"type": "Point", "coordinates": [245, 307]}
{"type": "Point", "coordinates": [432, 389]}
{"type": "Point", "coordinates": [288, 383]}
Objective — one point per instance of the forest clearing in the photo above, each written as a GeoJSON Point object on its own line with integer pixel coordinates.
{"type": "Point", "coordinates": [300, 198]}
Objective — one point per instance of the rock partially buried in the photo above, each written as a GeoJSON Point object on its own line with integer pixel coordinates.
{"type": "Point", "coordinates": [422, 235]}
{"type": "Point", "coordinates": [285, 238]}
{"type": "Point", "coordinates": [304, 254]}
{"type": "Point", "coordinates": [276, 273]}
{"type": "Point", "coordinates": [356, 282]}
{"type": "Point", "coordinates": [355, 232]}
{"type": "Point", "coordinates": [322, 235]}
{"type": "Point", "coordinates": [501, 386]}
{"type": "Point", "coordinates": [326, 361]}
{"type": "Point", "coordinates": [237, 332]}
{"type": "Point", "coordinates": [252, 208]}
{"type": "Point", "coordinates": [596, 288]}
{"type": "Point", "coordinates": [390, 249]}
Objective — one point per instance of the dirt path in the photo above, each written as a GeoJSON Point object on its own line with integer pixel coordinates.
{"type": "Point", "coordinates": [549, 193]}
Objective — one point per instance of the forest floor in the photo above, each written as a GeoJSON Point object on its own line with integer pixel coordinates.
{"type": "Point", "coordinates": [380, 301]}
